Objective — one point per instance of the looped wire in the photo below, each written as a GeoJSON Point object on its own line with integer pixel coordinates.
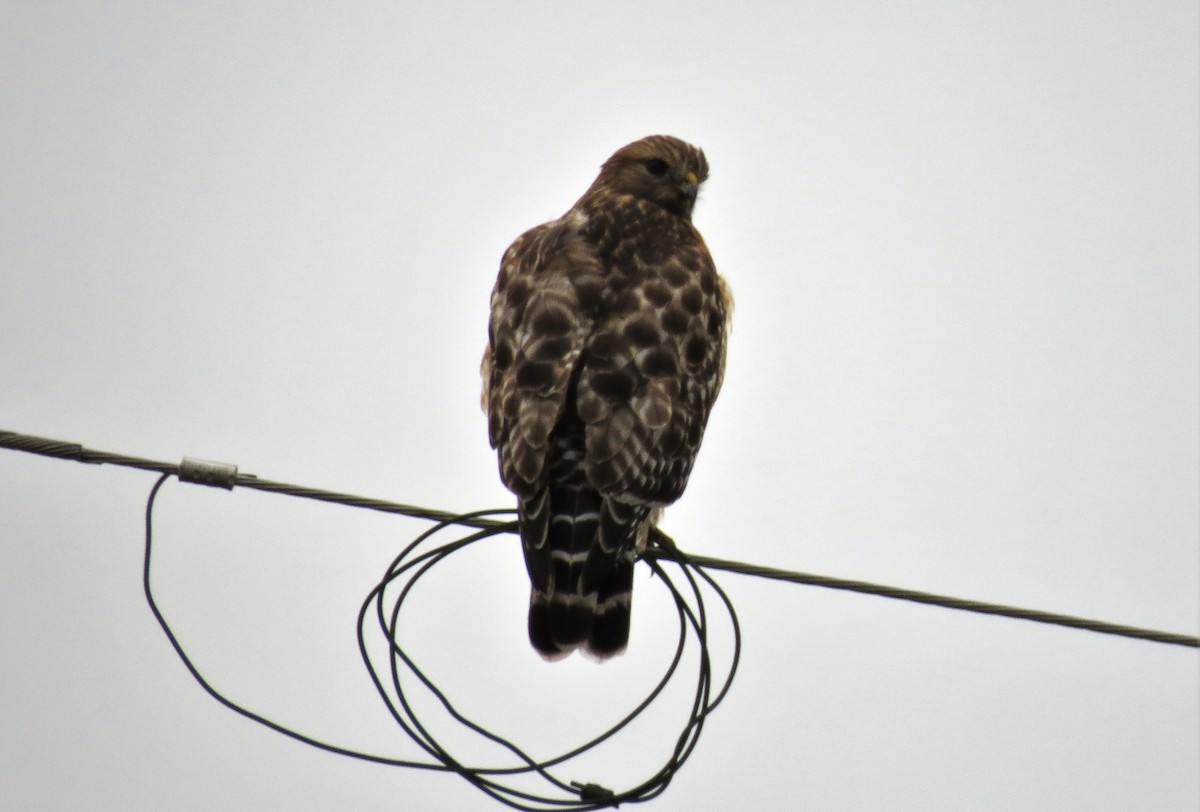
{"type": "Point", "coordinates": [415, 561]}
{"type": "Point", "coordinates": [403, 573]}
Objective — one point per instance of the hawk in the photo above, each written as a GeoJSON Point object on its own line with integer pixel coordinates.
{"type": "Point", "coordinates": [606, 351]}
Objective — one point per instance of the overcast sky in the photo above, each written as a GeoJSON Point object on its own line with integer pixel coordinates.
{"type": "Point", "coordinates": [963, 242]}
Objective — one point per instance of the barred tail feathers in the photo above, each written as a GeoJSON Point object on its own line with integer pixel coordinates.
{"type": "Point", "coordinates": [581, 573]}
{"type": "Point", "coordinates": [614, 596]}
{"type": "Point", "coordinates": [560, 611]}
{"type": "Point", "coordinates": [611, 576]}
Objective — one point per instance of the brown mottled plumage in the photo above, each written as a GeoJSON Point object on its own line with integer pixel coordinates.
{"type": "Point", "coordinates": [606, 350]}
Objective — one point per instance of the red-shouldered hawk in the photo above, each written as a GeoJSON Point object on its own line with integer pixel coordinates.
{"type": "Point", "coordinates": [606, 350]}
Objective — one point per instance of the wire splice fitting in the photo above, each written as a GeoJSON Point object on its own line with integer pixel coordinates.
{"type": "Point", "coordinates": [206, 472]}
{"type": "Point", "coordinates": [594, 793]}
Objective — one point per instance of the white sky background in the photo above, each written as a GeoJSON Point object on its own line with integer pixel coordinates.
{"type": "Point", "coordinates": [963, 243]}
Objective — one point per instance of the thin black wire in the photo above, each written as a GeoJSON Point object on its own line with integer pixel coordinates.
{"type": "Point", "coordinates": [572, 796]}
{"type": "Point", "coordinates": [74, 451]}
{"type": "Point", "coordinates": [147, 588]}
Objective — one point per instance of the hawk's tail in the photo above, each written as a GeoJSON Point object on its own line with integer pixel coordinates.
{"type": "Point", "coordinates": [579, 549]}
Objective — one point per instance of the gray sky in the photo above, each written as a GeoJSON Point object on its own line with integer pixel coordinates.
{"type": "Point", "coordinates": [963, 242]}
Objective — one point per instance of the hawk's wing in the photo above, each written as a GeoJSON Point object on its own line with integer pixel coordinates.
{"type": "Point", "coordinates": [549, 286]}
{"type": "Point", "coordinates": [655, 360]}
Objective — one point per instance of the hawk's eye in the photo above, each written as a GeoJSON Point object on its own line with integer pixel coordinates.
{"type": "Point", "coordinates": [656, 167]}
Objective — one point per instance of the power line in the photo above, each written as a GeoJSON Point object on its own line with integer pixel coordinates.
{"type": "Point", "coordinates": [945, 601]}
{"type": "Point", "coordinates": [220, 475]}
{"type": "Point", "coordinates": [226, 476]}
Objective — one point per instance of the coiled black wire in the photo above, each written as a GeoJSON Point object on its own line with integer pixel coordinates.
{"type": "Point", "coordinates": [395, 681]}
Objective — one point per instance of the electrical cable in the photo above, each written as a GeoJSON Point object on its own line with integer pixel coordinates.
{"type": "Point", "coordinates": [219, 474]}
{"type": "Point", "coordinates": [395, 683]}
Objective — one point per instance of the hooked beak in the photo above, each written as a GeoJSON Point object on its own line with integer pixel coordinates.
{"type": "Point", "coordinates": [689, 185]}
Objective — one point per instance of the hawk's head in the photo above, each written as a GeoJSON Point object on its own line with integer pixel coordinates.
{"type": "Point", "coordinates": [658, 168]}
